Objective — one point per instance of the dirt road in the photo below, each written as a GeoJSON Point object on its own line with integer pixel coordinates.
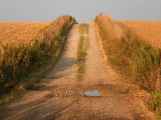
{"type": "Point", "coordinates": [60, 96]}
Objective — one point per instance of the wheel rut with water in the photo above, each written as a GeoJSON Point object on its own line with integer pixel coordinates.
{"type": "Point", "coordinates": [60, 96]}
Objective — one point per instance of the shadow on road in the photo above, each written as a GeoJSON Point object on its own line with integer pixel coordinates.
{"type": "Point", "coordinates": [42, 108]}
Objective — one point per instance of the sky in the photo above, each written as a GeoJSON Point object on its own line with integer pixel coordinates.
{"type": "Point", "coordinates": [84, 11]}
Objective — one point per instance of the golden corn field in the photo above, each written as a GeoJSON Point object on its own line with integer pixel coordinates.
{"type": "Point", "coordinates": [150, 31]}
{"type": "Point", "coordinates": [20, 31]}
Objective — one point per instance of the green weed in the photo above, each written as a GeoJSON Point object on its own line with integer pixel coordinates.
{"type": "Point", "coordinates": [80, 57]}
{"type": "Point", "coordinates": [83, 45]}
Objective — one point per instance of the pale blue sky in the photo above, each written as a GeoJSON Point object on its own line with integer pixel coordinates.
{"type": "Point", "coordinates": [84, 11]}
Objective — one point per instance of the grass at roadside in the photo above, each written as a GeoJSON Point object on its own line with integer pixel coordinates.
{"type": "Point", "coordinates": [84, 28]}
{"type": "Point", "coordinates": [23, 63]}
{"type": "Point", "coordinates": [83, 45]}
{"type": "Point", "coordinates": [133, 58]}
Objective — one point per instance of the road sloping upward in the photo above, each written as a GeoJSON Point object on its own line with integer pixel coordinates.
{"type": "Point", "coordinates": [60, 96]}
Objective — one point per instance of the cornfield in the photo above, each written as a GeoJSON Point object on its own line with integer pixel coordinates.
{"type": "Point", "coordinates": [20, 31]}
{"type": "Point", "coordinates": [149, 31]}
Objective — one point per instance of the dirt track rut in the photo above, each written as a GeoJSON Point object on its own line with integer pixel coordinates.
{"type": "Point", "coordinates": [60, 95]}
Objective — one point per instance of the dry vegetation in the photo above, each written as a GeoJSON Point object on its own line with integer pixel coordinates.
{"type": "Point", "coordinates": [20, 59]}
{"type": "Point", "coordinates": [132, 55]}
{"type": "Point", "coordinates": [149, 31]}
{"type": "Point", "coordinates": [21, 31]}
{"type": "Point", "coordinates": [136, 58]}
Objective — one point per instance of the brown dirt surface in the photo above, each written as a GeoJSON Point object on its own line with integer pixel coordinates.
{"type": "Point", "coordinates": [149, 31]}
{"type": "Point", "coordinates": [20, 31]}
{"type": "Point", "coordinates": [59, 96]}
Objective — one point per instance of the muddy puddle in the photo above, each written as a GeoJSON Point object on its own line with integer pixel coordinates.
{"type": "Point", "coordinates": [103, 92]}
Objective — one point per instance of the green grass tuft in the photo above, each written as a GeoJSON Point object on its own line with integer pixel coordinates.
{"type": "Point", "coordinates": [81, 54]}
{"type": "Point", "coordinates": [83, 45]}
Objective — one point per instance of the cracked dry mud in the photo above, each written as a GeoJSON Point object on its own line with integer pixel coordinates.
{"type": "Point", "coordinates": [60, 96]}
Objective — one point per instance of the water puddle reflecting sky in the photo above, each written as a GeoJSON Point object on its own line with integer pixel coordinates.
{"type": "Point", "coordinates": [92, 93]}
{"type": "Point", "coordinates": [102, 92]}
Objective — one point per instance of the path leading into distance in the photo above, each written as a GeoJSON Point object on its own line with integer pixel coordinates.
{"type": "Point", "coordinates": [61, 96]}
